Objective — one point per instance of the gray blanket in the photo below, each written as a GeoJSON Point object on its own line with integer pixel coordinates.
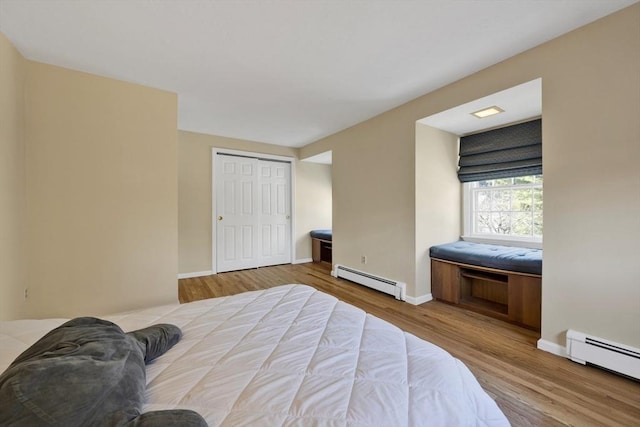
{"type": "Point", "coordinates": [88, 372]}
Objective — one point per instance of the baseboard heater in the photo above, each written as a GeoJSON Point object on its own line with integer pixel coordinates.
{"type": "Point", "coordinates": [620, 358]}
{"type": "Point", "coordinates": [391, 287]}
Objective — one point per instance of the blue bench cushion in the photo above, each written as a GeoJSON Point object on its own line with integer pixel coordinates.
{"type": "Point", "coordinates": [321, 234]}
{"type": "Point", "coordinates": [522, 260]}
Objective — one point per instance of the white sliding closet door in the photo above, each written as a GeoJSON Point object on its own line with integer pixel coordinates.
{"type": "Point", "coordinates": [237, 214]}
{"type": "Point", "coordinates": [253, 208]}
{"type": "Point", "coordinates": [275, 201]}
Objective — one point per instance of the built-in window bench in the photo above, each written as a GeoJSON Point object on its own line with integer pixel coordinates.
{"type": "Point", "coordinates": [321, 245]}
{"type": "Point", "coordinates": [499, 281]}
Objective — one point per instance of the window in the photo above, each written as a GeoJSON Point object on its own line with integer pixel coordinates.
{"type": "Point", "coordinates": [505, 209]}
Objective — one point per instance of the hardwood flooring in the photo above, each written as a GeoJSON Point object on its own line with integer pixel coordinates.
{"type": "Point", "coordinates": [532, 387]}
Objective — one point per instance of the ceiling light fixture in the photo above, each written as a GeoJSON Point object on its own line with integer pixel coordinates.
{"type": "Point", "coordinates": [486, 112]}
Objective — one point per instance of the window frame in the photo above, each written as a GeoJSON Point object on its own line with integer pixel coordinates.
{"type": "Point", "coordinates": [508, 240]}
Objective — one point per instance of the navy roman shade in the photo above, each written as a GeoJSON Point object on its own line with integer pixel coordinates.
{"type": "Point", "coordinates": [502, 153]}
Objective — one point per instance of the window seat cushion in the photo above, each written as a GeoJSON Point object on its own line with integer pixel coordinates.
{"type": "Point", "coordinates": [521, 260]}
{"type": "Point", "coordinates": [321, 234]}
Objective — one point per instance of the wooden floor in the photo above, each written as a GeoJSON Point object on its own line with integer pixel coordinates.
{"type": "Point", "coordinates": [532, 387]}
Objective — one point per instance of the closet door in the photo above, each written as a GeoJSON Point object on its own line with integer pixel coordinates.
{"type": "Point", "coordinates": [237, 213]}
{"type": "Point", "coordinates": [253, 212]}
{"type": "Point", "coordinates": [275, 212]}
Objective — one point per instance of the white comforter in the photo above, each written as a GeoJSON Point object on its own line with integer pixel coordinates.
{"type": "Point", "coordinates": [292, 355]}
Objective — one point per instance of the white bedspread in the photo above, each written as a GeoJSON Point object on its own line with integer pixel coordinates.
{"type": "Point", "coordinates": [292, 355]}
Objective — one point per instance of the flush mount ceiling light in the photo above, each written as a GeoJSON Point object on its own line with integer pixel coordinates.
{"type": "Point", "coordinates": [486, 112]}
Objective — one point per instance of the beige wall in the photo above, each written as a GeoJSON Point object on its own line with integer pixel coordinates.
{"type": "Point", "coordinates": [437, 198]}
{"type": "Point", "coordinates": [313, 204]}
{"type": "Point", "coordinates": [373, 197]}
{"type": "Point", "coordinates": [591, 152]}
{"type": "Point", "coordinates": [591, 133]}
{"type": "Point", "coordinates": [101, 193]}
{"type": "Point", "coordinates": [194, 155]}
{"type": "Point", "coordinates": [12, 182]}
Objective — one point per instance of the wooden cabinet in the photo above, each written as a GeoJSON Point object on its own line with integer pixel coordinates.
{"type": "Point", "coordinates": [321, 250]}
{"type": "Point", "coordinates": [316, 248]}
{"type": "Point", "coordinates": [442, 275]}
{"type": "Point", "coordinates": [506, 295]}
{"type": "Point", "coordinates": [525, 300]}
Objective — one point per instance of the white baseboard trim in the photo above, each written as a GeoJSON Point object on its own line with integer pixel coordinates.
{"type": "Point", "coordinates": [194, 274]}
{"type": "Point", "coordinates": [420, 300]}
{"type": "Point", "coordinates": [303, 261]}
{"type": "Point", "coordinates": [551, 347]}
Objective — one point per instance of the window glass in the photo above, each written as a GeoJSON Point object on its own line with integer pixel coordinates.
{"type": "Point", "coordinates": [506, 207]}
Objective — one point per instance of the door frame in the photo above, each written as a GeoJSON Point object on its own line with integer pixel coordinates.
{"type": "Point", "coordinates": [292, 188]}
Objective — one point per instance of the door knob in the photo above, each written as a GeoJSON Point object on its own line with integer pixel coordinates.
{"type": "Point", "coordinates": [220, 218]}
{"type": "Point", "coordinates": [288, 217]}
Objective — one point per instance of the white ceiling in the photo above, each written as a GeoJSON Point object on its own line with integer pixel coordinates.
{"type": "Point", "coordinates": [519, 103]}
{"type": "Point", "coordinates": [287, 72]}
{"type": "Point", "coordinates": [325, 158]}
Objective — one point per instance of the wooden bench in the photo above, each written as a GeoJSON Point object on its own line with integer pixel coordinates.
{"type": "Point", "coordinates": [508, 295]}
{"type": "Point", "coordinates": [321, 250]}
{"type": "Point", "coordinates": [321, 245]}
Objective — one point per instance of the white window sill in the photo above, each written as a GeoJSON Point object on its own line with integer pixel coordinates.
{"type": "Point", "coordinates": [520, 243]}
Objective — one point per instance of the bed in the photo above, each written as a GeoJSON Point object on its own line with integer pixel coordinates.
{"type": "Point", "coordinates": [292, 355]}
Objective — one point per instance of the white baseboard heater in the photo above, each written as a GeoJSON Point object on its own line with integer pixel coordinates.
{"type": "Point", "coordinates": [620, 358]}
{"type": "Point", "coordinates": [391, 287]}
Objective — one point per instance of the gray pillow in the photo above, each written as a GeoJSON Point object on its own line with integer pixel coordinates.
{"type": "Point", "coordinates": [88, 372]}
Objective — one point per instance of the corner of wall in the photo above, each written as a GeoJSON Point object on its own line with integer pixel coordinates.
{"type": "Point", "coordinates": [101, 193]}
{"type": "Point", "coordinates": [13, 274]}
{"type": "Point", "coordinates": [437, 207]}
